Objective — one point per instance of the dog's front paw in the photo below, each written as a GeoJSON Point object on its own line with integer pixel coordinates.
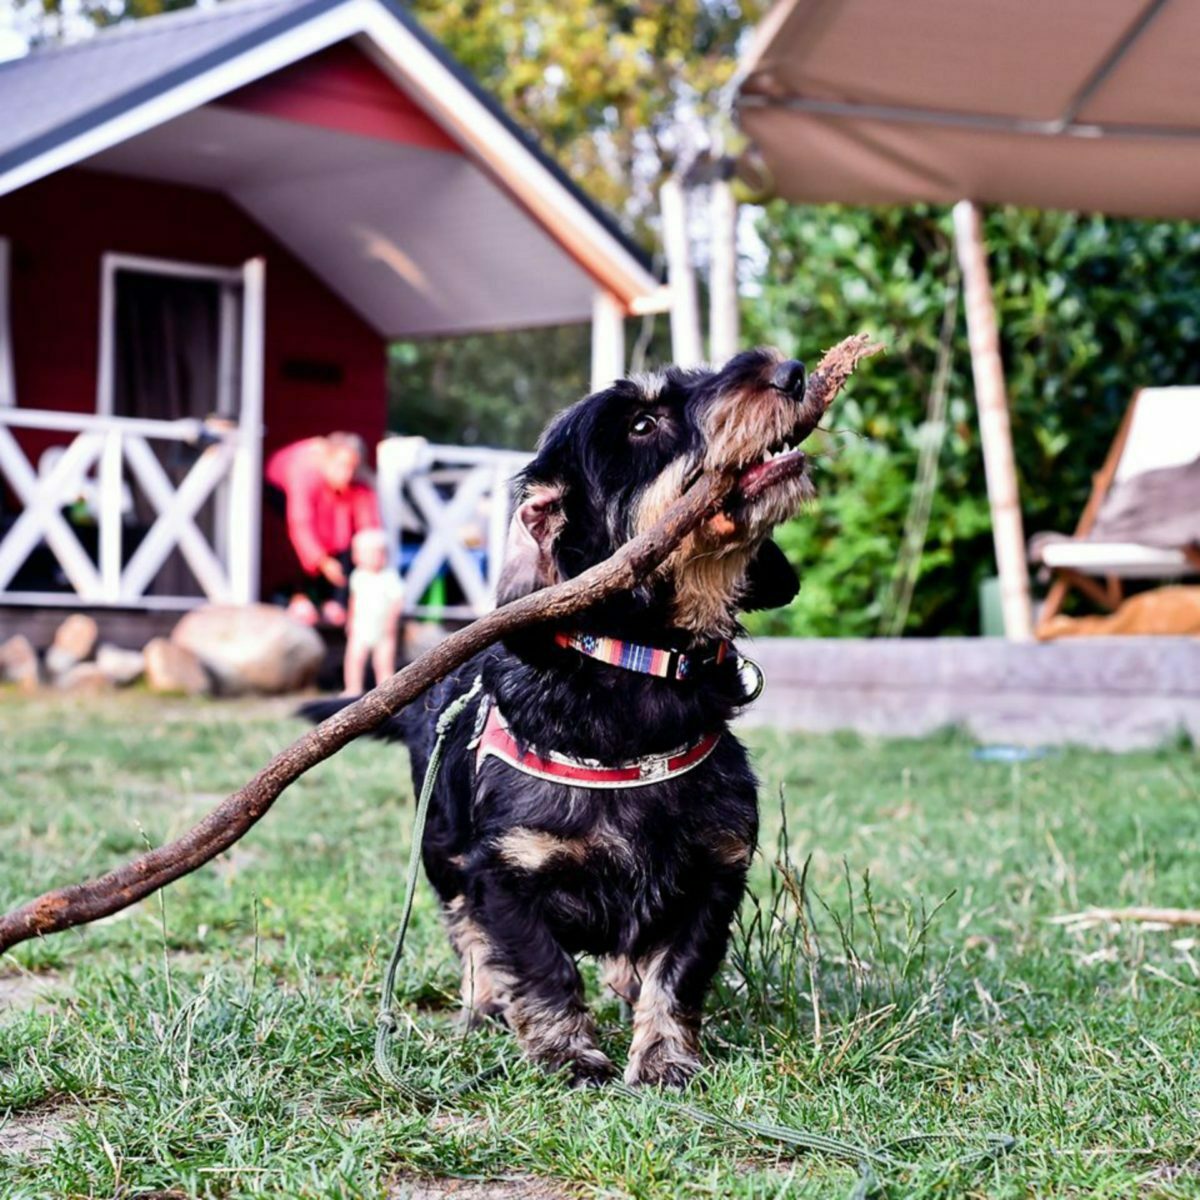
{"type": "Point", "coordinates": [664, 1064]}
{"type": "Point", "coordinates": [590, 1070]}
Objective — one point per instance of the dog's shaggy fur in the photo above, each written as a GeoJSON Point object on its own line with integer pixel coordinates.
{"type": "Point", "coordinates": [533, 873]}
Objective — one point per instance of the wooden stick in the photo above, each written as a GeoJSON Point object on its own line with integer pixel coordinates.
{"type": "Point", "coordinates": [1150, 916]}
{"type": "Point", "coordinates": [80, 903]}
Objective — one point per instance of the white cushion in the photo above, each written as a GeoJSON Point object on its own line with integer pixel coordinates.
{"type": "Point", "coordinates": [1127, 560]}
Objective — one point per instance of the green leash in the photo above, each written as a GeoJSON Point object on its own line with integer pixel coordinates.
{"type": "Point", "coordinates": [385, 1022]}
{"type": "Point", "coordinates": [386, 1025]}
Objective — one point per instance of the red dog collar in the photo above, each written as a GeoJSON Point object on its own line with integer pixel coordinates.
{"type": "Point", "coordinates": [497, 740]}
{"type": "Point", "coordinates": [647, 660]}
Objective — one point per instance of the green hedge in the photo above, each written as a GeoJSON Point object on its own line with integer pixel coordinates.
{"type": "Point", "coordinates": [1091, 308]}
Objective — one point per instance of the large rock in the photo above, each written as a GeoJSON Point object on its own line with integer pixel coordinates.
{"type": "Point", "coordinates": [73, 643]}
{"type": "Point", "coordinates": [251, 648]}
{"type": "Point", "coordinates": [19, 663]}
{"type": "Point", "coordinates": [174, 669]}
{"type": "Point", "coordinates": [85, 679]}
{"type": "Point", "coordinates": [123, 667]}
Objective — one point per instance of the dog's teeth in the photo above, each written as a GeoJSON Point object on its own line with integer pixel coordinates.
{"type": "Point", "coordinates": [770, 455]}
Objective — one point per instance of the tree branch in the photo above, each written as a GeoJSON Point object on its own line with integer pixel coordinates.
{"type": "Point", "coordinates": [80, 903]}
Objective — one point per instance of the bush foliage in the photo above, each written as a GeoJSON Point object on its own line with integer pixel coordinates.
{"type": "Point", "coordinates": [1091, 308]}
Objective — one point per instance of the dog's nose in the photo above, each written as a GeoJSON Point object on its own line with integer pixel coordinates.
{"type": "Point", "coordinates": [788, 378]}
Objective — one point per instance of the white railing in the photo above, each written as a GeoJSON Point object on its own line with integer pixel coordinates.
{"type": "Point", "coordinates": [449, 508]}
{"type": "Point", "coordinates": [96, 472]}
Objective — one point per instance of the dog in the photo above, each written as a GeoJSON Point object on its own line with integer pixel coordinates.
{"type": "Point", "coordinates": [592, 799]}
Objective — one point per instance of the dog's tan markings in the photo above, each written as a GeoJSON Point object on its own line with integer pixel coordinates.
{"type": "Point", "coordinates": [620, 976]}
{"type": "Point", "coordinates": [708, 586]}
{"type": "Point", "coordinates": [660, 495]}
{"type": "Point", "coordinates": [739, 425]}
{"type": "Point", "coordinates": [730, 849]}
{"type": "Point", "coordinates": [558, 1036]}
{"type": "Point", "coordinates": [666, 1042]}
{"type": "Point", "coordinates": [485, 990]}
{"type": "Point", "coordinates": [533, 849]}
{"type": "Point", "coordinates": [707, 573]}
{"type": "Point", "coordinates": [708, 568]}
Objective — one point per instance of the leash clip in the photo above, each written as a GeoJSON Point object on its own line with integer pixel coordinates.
{"type": "Point", "coordinates": [760, 680]}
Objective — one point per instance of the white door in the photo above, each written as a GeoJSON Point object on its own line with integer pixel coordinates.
{"type": "Point", "coordinates": [182, 343]}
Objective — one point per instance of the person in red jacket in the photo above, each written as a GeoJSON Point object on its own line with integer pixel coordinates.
{"type": "Point", "coordinates": [321, 484]}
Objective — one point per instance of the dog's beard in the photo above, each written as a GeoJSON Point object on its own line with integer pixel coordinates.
{"type": "Point", "coordinates": [745, 429]}
{"type": "Point", "coordinates": [708, 570]}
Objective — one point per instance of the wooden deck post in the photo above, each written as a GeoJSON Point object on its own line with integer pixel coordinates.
{"type": "Point", "coordinates": [608, 340]}
{"type": "Point", "coordinates": [994, 430]}
{"type": "Point", "coordinates": [245, 500]}
{"type": "Point", "coordinates": [723, 331]}
{"type": "Point", "coordinates": [687, 348]}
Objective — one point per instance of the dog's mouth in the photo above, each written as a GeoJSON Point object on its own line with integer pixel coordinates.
{"type": "Point", "coordinates": [779, 464]}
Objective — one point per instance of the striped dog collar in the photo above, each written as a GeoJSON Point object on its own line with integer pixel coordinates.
{"type": "Point", "coordinates": [496, 740]}
{"type": "Point", "coordinates": [648, 660]}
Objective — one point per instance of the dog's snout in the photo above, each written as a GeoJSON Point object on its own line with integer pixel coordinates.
{"type": "Point", "coordinates": [788, 378]}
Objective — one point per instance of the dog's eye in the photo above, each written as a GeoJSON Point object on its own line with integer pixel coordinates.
{"type": "Point", "coordinates": [644, 425]}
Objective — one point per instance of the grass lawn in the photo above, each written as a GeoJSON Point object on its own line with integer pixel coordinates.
{"type": "Point", "coordinates": [907, 993]}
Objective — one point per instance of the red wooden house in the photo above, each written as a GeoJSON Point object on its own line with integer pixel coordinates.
{"type": "Point", "coordinates": [211, 224]}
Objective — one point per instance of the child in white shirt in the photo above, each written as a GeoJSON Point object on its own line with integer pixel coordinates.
{"type": "Point", "coordinates": [376, 602]}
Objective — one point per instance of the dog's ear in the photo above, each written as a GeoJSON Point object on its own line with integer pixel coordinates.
{"type": "Point", "coordinates": [529, 552]}
{"type": "Point", "coordinates": [771, 581]}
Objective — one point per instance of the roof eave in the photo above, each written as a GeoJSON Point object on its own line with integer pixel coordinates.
{"type": "Point", "coordinates": [410, 55]}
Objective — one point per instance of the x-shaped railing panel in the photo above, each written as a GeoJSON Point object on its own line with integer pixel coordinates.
{"type": "Point", "coordinates": [114, 447]}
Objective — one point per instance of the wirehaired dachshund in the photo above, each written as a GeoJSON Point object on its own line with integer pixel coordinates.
{"type": "Point", "coordinates": [592, 800]}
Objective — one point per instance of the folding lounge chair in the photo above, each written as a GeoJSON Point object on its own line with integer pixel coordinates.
{"type": "Point", "coordinates": [1160, 432]}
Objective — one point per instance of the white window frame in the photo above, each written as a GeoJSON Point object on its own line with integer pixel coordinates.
{"type": "Point", "coordinates": [8, 381]}
{"type": "Point", "coordinates": [231, 280]}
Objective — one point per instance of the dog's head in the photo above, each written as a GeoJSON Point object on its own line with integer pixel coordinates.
{"type": "Point", "coordinates": [608, 468]}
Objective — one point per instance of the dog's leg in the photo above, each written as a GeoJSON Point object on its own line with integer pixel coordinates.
{"type": "Point", "coordinates": [484, 989]}
{"type": "Point", "coordinates": [665, 1050]}
{"type": "Point", "coordinates": [620, 976]}
{"type": "Point", "coordinates": [544, 1003]}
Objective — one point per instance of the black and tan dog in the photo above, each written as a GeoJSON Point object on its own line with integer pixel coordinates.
{"type": "Point", "coordinates": [597, 803]}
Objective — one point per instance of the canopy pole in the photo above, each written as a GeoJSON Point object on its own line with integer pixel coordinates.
{"type": "Point", "coordinates": [995, 432]}
{"type": "Point", "coordinates": [687, 347]}
{"type": "Point", "coordinates": [723, 332]}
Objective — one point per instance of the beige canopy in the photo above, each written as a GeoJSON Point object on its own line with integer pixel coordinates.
{"type": "Point", "coordinates": [1074, 104]}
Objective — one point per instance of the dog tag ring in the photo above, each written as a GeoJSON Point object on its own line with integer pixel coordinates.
{"type": "Point", "coordinates": [753, 679]}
